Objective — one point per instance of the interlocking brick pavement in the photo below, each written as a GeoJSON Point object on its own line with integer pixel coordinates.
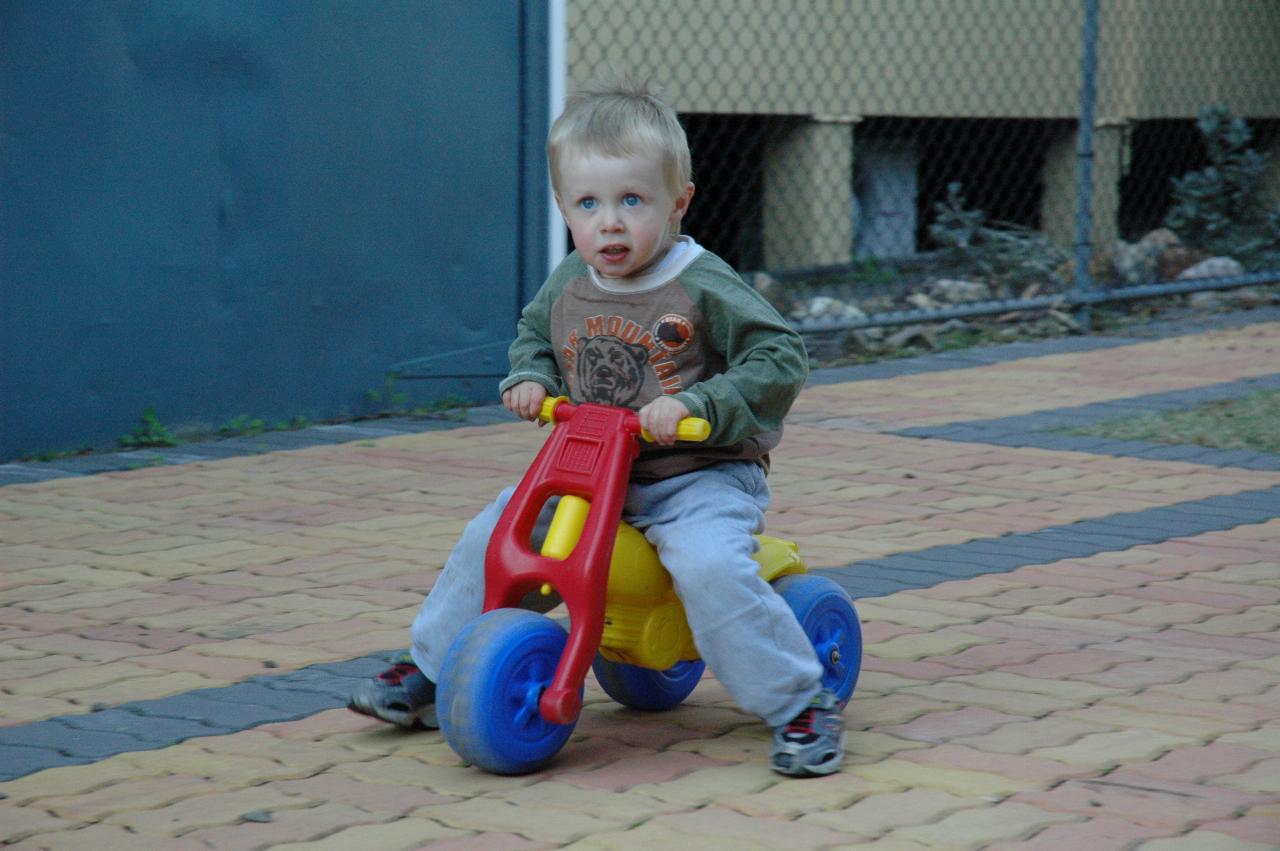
{"type": "Point", "coordinates": [1068, 644]}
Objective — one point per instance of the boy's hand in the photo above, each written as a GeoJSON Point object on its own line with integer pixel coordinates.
{"type": "Point", "coordinates": [660, 418]}
{"type": "Point", "coordinates": [525, 399]}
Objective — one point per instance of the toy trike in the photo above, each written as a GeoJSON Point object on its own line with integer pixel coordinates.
{"type": "Point", "coordinates": [510, 688]}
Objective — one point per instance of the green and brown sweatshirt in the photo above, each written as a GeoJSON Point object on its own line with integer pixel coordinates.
{"type": "Point", "coordinates": [689, 328]}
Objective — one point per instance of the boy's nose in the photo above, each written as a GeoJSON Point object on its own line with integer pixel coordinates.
{"type": "Point", "coordinates": [611, 221]}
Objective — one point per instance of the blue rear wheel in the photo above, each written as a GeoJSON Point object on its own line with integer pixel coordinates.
{"type": "Point", "coordinates": [828, 618]}
{"type": "Point", "coordinates": [645, 688]}
{"type": "Point", "coordinates": [491, 681]}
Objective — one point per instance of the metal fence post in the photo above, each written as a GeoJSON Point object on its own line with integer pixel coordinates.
{"type": "Point", "coordinates": [1084, 157]}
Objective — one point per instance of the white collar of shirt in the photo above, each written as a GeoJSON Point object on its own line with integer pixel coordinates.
{"type": "Point", "coordinates": [682, 252]}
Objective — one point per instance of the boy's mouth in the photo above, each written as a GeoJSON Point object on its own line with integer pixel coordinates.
{"type": "Point", "coordinates": [614, 253]}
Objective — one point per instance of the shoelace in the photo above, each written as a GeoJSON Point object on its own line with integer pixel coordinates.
{"type": "Point", "coordinates": [397, 673]}
{"type": "Point", "coordinates": [802, 724]}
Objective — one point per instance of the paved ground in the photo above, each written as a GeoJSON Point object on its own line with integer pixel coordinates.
{"type": "Point", "coordinates": [1070, 643]}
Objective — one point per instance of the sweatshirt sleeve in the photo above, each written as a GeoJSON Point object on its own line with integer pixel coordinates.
{"type": "Point", "coordinates": [766, 361]}
{"type": "Point", "coordinates": [531, 354]}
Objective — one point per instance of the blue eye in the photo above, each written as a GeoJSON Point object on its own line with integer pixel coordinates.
{"type": "Point", "coordinates": [587, 203]}
{"type": "Point", "coordinates": [631, 201]}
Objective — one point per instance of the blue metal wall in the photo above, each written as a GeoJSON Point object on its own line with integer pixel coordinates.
{"type": "Point", "coordinates": [218, 208]}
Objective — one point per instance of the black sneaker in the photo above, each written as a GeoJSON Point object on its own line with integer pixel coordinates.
{"type": "Point", "coordinates": [401, 695]}
{"type": "Point", "coordinates": [812, 743]}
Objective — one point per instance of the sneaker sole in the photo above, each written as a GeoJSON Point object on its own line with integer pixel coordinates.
{"type": "Point", "coordinates": [423, 719]}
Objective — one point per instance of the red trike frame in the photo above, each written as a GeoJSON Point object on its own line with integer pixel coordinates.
{"type": "Point", "coordinates": [588, 455]}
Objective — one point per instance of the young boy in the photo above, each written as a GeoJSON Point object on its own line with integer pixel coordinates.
{"type": "Point", "coordinates": [642, 317]}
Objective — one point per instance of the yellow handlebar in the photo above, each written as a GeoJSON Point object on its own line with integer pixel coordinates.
{"type": "Point", "coordinates": [693, 429]}
{"type": "Point", "coordinates": [547, 413]}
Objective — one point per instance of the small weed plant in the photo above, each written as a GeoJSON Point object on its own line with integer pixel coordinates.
{"type": "Point", "coordinates": [150, 433]}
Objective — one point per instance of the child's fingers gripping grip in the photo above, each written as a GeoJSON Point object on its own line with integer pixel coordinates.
{"type": "Point", "coordinates": [547, 413]}
{"type": "Point", "coordinates": [692, 429]}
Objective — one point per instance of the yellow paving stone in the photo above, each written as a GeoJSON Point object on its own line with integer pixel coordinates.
{"type": "Point", "coordinates": [924, 645]}
{"type": "Point", "coordinates": [1202, 839]}
{"type": "Point", "coordinates": [327, 608]}
{"type": "Point", "coordinates": [205, 810]}
{"type": "Point", "coordinates": [870, 611]}
{"type": "Point", "coordinates": [76, 681]}
{"type": "Point", "coordinates": [106, 837]}
{"type": "Point", "coordinates": [18, 823]}
{"type": "Point", "coordinates": [126, 795]}
{"type": "Point", "coordinates": [876, 814]}
{"type": "Point", "coordinates": [892, 709]}
{"type": "Point", "coordinates": [1261, 778]}
{"type": "Point", "coordinates": [722, 783]}
{"type": "Point", "coordinates": [19, 709]}
{"type": "Point", "coordinates": [210, 615]}
{"type": "Point", "coordinates": [1165, 614]}
{"type": "Point", "coordinates": [1103, 750]}
{"type": "Point", "coordinates": [71, 780]}
{"type": "Point", "coordinates": [901, 774]}
{"type": "Point", "coordinates": [1023, 736]}
{"type": "Point", "coordinates": [788, 800]}
{"type": "Point", "coordinates": [456, 780]}
{"type": "Point", "coordinates": [969, 610]}
{"type": "Point", "coordinates": [291, 756]}
{"type": "Point", "coordinates": [536, 821]}
{"type": "Point", "coordinates": [1259, 619]}
{"type": "Point", "coordinates": [1197, 727]}
{"type": "Point", "coordinates": [231, 770]}
{"type": "Point", "coordinates": [980, 826]}
{"type": "Point", "coordinates": [281, 654]}
{"type": "Point", "coordinates": [867, 746]}
{"type": "Point", "coordinates": [155, 685]}
{"type": "Point", "coordinates": [101, 577]}
{"type": "Point", "coordinates": [84, 600]}
{"type": "Point", "coordinates": [1009, 701]}
{"type": "Point", "coordinates": [715, 828]}
{"type": "Point", "coordinates": [1101, 627]}
{"type": "Point", "coordinates": [311, 824]}
{"type": "Point", "coordinates": [1068, 692]}
{"type": "Point", "coordinates": [1266, 738]}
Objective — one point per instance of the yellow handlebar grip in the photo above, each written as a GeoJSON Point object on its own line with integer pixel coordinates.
{"type": "Point", "coordinates": [547, 413]}
{"type": "Point", "coordinates": [694, 429]}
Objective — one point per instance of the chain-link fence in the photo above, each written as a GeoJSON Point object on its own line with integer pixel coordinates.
{"type": "Point", "coordinates": [919, 159]}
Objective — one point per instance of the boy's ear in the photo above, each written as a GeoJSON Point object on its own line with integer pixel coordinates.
{"type": "Point", "coordinates": [560, 206]}
{"type": "Point", "coordinates": [682, 203]}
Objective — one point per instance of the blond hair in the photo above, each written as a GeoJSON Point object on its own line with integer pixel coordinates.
{"type": "Point", "coordinates": [621, 119]}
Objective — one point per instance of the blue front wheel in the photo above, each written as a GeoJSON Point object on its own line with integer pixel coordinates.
{"type": "Point", "coordinates": [645, 688]}
{"type": "Point", "coordinates": [491, 681]}
{"type": "Point", "coordinates": [828, 618]}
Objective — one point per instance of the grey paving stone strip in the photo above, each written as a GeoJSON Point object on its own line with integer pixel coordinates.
{"type": "Point", "coordinates": [152, 724]}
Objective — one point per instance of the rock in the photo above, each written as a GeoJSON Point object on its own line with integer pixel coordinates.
{"type": "Point", "coordinates": [910, 335]}
{"type": "Point", "coordinates": [1214, 267]}
{"type": "Point", "coordinates": [1161, 238]}
{"type": "Point", "coordinates": [1249, 298]}
{"type": "Point", "coordinates": [1066, 320]}
{"type": "Point", "coordinates": [1135, 263]}
{"type": "Point", "coordinates": [826, 308]}
{"type": "Point", "coordinates": [1176, 259]}
{"type": "Point", "coordinates": [863, 342]}
{"type": "Point", "coordinates": [920, 301]}
{"type": "Point", "coordinates": [953, 325]}
{"type": "Point", "coordinates": [954, 291]}
{"type": "Point", "coordinates": [1205, 301]}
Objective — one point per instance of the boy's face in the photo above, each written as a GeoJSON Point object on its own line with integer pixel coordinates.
{"type": "Point", "coordinates": [620, 211]}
